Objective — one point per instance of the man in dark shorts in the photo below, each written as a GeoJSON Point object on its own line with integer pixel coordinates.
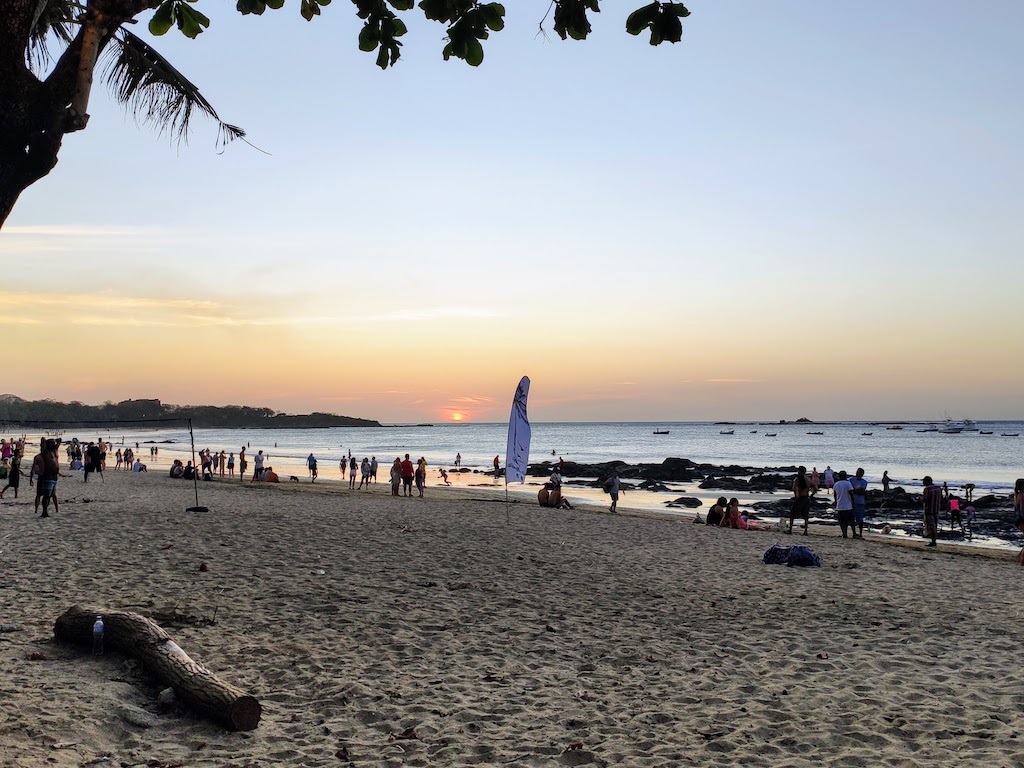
{"type": "Point", "coordinates": [801, 499]}
{"type": "Point", "coordinates": [48, 477]}
{"type": "Point", "coordinates": [408, 472]}
{"type": "Point", "coordinates": [932, 495]}
{"type": "Point", "coordinates": [13, 475]}
{"type": "Point", "coordinates": [93, 461]}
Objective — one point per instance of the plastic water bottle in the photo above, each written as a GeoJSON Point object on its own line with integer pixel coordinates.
{"type": "Point", "coordinates": [97, 636]}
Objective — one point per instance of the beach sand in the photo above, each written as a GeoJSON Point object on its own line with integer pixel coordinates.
{"type": "Point", "coordinates": [565, 638]}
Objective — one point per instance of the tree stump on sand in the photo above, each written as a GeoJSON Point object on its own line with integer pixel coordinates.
{"type": "Point", "coordinates": [143, 639]}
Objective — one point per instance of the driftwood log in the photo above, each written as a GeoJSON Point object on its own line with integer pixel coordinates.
{"type": "Point", "coordinates": [143, 639]}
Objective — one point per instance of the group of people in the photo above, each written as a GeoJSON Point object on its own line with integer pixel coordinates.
{"type": "Point", "coordinates": [726, 514]}
{"type": "Point", "coordinates": [404, 474]}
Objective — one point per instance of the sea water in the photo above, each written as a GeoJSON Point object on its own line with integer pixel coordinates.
{"type": "Point", "coordinates": [991, 461]}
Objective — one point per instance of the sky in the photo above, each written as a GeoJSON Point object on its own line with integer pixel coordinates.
{"type": "Point", "coordinates": [804, 209]}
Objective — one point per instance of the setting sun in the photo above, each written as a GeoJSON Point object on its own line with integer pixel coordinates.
{"type": "Point", "coordinates": [457, 417]}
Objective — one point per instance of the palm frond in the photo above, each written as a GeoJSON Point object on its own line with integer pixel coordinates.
{"type": "Point", "coordinates": [155, 92]}
{"type": "Point", "coordinates": [51, 19]}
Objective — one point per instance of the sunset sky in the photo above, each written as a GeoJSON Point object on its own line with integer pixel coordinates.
{"type": "Point", "coordinates": [804, 209]}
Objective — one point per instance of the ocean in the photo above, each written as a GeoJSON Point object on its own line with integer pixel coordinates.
{"type": "Point", "coordinates": [991, 461]}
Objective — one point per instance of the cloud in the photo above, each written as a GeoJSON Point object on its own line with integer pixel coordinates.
{"type": "Point", "coordinates": [734, 381]}
{"type": "Point", "coordinates": [80, 230]}
{"type": "Point", "coordinates": [435, 313]}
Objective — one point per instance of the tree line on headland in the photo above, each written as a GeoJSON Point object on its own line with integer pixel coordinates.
{"type": "Point", "coordinates": [50, 414]}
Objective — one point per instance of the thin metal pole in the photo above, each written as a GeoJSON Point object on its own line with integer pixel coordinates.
{"type": "Point", "coordinates": [195, 467]}
{"type": "Point", "coordinates": [508, 515]}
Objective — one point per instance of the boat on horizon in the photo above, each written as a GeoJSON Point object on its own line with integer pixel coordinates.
{"type": "Point", "coordinates": [983, 432]}
{"type": "Point", "coordinates": [1011, 434]}
{"type": "Point", "coordinates": [866, 434]}
{"type": "Point", "coordinates": [661, 431]}
{"type": "Point", "coordinates": [770, 434]}
{"type": "Point", "coordinates": [815, 433]}
{"type": "Point", "coordinates": [970, 426]}
{"type": "Point", "coordinates": [931, 428]}
{"type": "Point", "coordinates": [949, 428]}
{"type": "Point", "coordinates": [727, 432]}
{"type": "Point", "coordinates": [897, 426]}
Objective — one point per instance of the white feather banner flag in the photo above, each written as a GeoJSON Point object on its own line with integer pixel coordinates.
{"type": "Point", "coordinates": [517, 455]}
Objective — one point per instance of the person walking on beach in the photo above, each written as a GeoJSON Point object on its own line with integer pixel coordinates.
{"type": "Point", "coordinates": [802, 490]}
{"type": "Point", "coordinates": [396, 476]}
{"type": "Point", "coordinates": [241, 464]}
{"type": "Point", "coordinates": [842, 491]}
{"type": "Point", "coordinates": [932, 497]}
{"type": "Point", "coordinates": [311, 463]}
{"type": "Point", "coordinates": [408, 472]}
{"type": "Point", "coordinates": [613, 485]}
{"type": "Point", "coordinates": [860, 502]}
{"type": "Point", "coordinates": [14, 474]}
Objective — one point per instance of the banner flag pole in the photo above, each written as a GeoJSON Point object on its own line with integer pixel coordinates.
{"type": "Point", "coordinates": [517, 453]}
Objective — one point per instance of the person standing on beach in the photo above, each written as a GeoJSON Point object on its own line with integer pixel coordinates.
{"type": "Point", "coordinates": [421, 475]}
{"type": "Point", "coordinates": [311, 465]}
{"type": "Point", "coordinates": [932, 496]}
{"type": "Point", "coordinates": [830, 479]}
{"type": "Point", "coordinates": [364, 473]}
{"type": "Point", "coordinates": [1018, 509]}
{"type": "Point", "coordinates": [93, 462]}
{"type": "Point", "coordinates": [408, 472]}
{"type": "Point", "coordinates": [802, 490]}
{"type": "Point", "coordinates": [222, 462]}
{"type": "Point", "coordinates": [885, 483]}
{"type": "Point", "coordinates": [257, 468]}
{"type": "Point", "coordinates": [815, 481]}
{"type": "Point", "coordinates": [842, 491]}
{"type": "Point", "coordinates": [860, 502]}
{"type": "Point", "coordinates": [231, 464]}
{"type": "Point", "coordinates": [48, 478]}
{"type": "Point", "coordinates": [14, 474]}
{"type": "Point", "coordinates": [396, 476]}
{"type": "Point", "coordinates": [352, 469]}
{"type": "Point", "coordinates": [458, 459]}
{"type": "Point", "coordinates": [373, 469]}
{"type": "Point", "coordinates": [241, 464]}
{"type": "Point", "coordinates": [497, 464]}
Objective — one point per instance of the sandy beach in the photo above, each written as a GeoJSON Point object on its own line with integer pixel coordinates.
{"type": "Point", "coordinates": [565, 638]}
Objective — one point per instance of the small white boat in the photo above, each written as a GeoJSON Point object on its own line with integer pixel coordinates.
{"type": "Point", "coordinates": [727, 432]}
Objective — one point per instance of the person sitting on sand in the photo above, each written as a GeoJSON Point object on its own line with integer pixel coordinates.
{"type": "Point", "coordinates": [177, 469]}
{"type": "Point", "coordinates": [270, 476]}
{"type": "Point", "coordinates": [717, 512]}
{"type": "Point", "coordinates": [138, 466]}
{"type": "Point", "coordinates": [731, 519]}
{"type": "Point", "coordinates": [552, 497]}
{"type": "Point", "coordinates": [189, 472]}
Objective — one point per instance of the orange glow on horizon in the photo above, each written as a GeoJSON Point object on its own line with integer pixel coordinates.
{"type": "Point", "coordinates": [457, 416]}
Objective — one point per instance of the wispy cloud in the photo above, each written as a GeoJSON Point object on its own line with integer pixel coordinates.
{"type": "Point", "coordinates": [734, 381]}
{"type": "Point", "coordinates": [436, 313]}
{"type": "Point", "coordinates": [80, 230]}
